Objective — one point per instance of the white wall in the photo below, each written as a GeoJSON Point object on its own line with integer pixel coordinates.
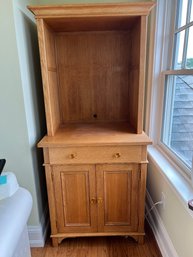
{"type": "Point", "coordinates": [27, 44]}
{"type": "Point", "coordinates": [176, 219]}
{"type": "Point", "coordinates": [19, 129]}
{"type": "Point", "coordinates": [21, 102]}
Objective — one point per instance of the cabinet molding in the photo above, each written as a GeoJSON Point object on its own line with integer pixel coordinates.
{"type": "Point", "coordinates": [92, 10]}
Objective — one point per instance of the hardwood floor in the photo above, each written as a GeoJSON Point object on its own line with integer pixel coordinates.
{"type": "Point", "coordinates": [101, 247]}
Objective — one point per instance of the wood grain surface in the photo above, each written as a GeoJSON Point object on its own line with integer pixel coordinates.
{"type": "Point", "coordinates": [74, 188]}
{"type": "Point", "coordinates": [115, 184]}
{"type": "Point", "coordinates": [49, 76]}
{"type": "Point", "coordinates": [90, 23]}
{"type": "Point", "coordinates": [93, 64]}
{"type": "Point", "coordinates": [93, 70]}
{"type": "Point", "coordinates": [93, 134]}
{"type": "Point", "coordinates": [95, 10]}
{"type": "Point", "coordinates": [101, 247]}
{"type": "Point", "coordinates": [96, 154]}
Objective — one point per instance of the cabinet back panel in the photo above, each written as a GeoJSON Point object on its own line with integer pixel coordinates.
{"type": "Point", "coordinates": [93, 71]}
{"type": "Point", "coordinates": [91, 23]}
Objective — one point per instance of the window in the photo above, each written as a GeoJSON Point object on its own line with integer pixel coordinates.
{"type": "Point", "coordinates": [183, 47]}
{"type": "Point", "coordinates": [177, 117]}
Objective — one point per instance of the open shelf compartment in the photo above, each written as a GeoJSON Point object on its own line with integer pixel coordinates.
{"type": "Point", "coordinates": [93, 68]}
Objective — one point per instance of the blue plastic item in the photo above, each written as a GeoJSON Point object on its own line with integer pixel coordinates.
{"type": "Point", "coordinates": [3, 180]}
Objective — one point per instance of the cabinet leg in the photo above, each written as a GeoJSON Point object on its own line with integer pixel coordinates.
{"type": "Point", "coordinates": [55, 242]}
{"type": "Point", "coordinates": [140, 240]}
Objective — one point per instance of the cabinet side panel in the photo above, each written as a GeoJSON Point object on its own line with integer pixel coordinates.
{"type": "Point", "coordinates": [53, 92]}
{"type": "Point", "coordinates": [137, 74]}
{"type": "Point", "coordinates": [49, 76]}
{"type": "Point", "coordinates": [51, 199]}
{"type": "Point", "coordinates": [134, 75]}
{"type": "Point", "coordinates": [142, 187]}
{"type": "Point", "coordinates": [143, 42]}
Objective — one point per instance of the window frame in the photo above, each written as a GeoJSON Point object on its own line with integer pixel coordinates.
{"type": "Point", "coordinates": [160, 64]}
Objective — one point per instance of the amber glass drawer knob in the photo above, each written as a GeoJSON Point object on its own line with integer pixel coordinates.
{"type": "Point", "coordinates": [117, 155]}
{"type": "Point", "coordinates": [72, 156]}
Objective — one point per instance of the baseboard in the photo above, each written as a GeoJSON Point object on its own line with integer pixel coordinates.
{"type": "Point", "coordinates": [163, 240]}
{"type": "Point", "coordinates": [38, 234]}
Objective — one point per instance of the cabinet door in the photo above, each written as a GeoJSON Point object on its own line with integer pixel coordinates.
{"type": "Point", "coordinates": [117, 194]}
{"type": "Point", "coordinates": [75, 196]}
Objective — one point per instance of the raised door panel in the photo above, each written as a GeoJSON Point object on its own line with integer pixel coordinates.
{"type": "Point", "coordinates": [117, 193]}
{"type": "Point", "coordinates": [74, 194]}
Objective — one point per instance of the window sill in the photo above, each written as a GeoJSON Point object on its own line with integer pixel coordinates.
{"type": "Point", "coordinates": [171, 173]}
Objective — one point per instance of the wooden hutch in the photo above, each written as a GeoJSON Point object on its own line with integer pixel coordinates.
{"type": "Point", "coordinates": [95, 151]}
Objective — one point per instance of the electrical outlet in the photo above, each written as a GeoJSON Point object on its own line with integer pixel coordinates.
{"type": "Point", "coordinates": [163, 199]}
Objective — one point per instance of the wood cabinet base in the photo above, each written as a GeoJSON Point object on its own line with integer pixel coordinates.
{"type": "Point", "coordinates": [118, 191]}
{"type": "Point", "coordinates": [58, 238]}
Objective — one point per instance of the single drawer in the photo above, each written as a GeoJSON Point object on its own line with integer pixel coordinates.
{"type": "Point", "coordinates": [97, 154]}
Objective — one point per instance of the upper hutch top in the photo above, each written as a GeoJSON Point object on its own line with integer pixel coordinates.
{"type": "Point", "coordinates": [93, 67]}
{"type": "Point", "coordinates": [92, 10]}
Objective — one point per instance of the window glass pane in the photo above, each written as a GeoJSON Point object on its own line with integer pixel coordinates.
{"type": "Point", "coordinates": [182, 13]}
{"type": "Point", "coordinates": [189, 57]}
{"type": "Point", "coordinates": [191, 15]}
{"type": "Point", "coordinates": [179, 50]}
{"type": "Point", "coordinates": [177, 127]}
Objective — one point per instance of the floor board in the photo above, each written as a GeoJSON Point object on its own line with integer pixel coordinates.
{"type": "Point", "coordinates": [100, 247]}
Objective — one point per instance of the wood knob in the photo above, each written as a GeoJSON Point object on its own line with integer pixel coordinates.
{"type": "Point", "coordinates": [117, 155]}
{"type": "Point", "coordinates": [93, 201]}
{"type": "Point", "coordinates": [72, 156]}
{"type": "Point", "coordinates": [100, 200]}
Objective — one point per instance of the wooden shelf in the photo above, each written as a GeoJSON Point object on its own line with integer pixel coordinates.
{"type": "Point", "coordinates": [82, 134]}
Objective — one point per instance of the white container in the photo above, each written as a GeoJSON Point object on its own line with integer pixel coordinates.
{"type": "Point", "coordinates": [14, 213]}
{"type": "Point", "coordinates": [11, 186]}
